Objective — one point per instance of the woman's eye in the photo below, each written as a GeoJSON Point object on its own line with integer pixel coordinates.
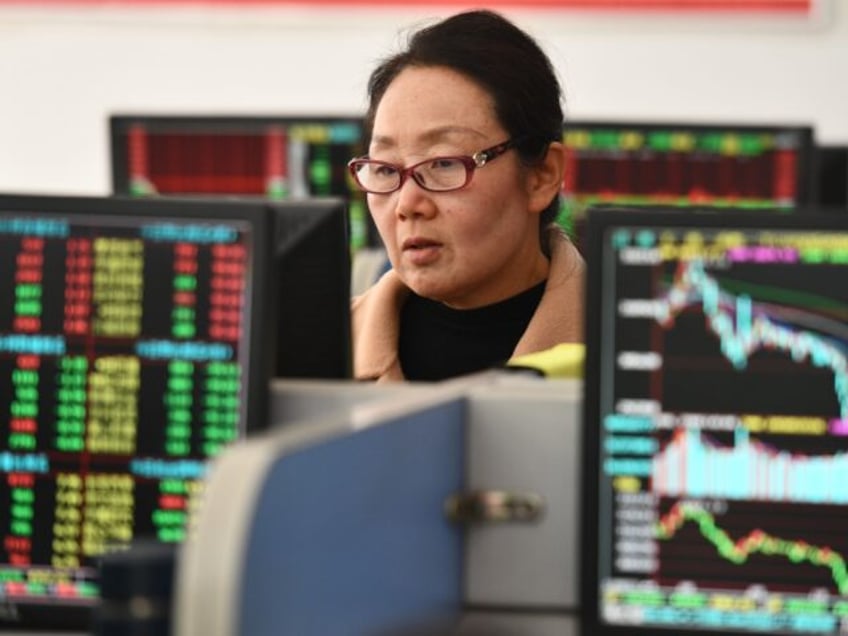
{"type": "Point", "coordinates": [385, 171]}
{"type": "Point", "coordinates": [442, 163]}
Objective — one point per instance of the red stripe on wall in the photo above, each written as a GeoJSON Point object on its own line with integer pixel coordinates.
{"type": "Point", "coordinates": [723, 6]}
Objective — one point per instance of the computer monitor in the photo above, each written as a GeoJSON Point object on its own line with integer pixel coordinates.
{"type": "Point", "coordinates": [832, 176]}
{"type": "Point", "coordinates": [134, 345]}
{"type": "Point", "coordinates": [275, 157]}
{"type": "Point", "coordinates": [716, 414]}
{"type": "Point", "coordinates": [684, 164]}
{"type": "Point", "coordinates": [311, 279]}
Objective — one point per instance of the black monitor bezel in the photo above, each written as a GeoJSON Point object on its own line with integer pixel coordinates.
{"type": "Point", "coordinates": [56, 615]}
{"type": "Point", "coordinates": [331, 358]}
{"type": "Point", "coordinates": [832, 163]}
{"type": "Point", "coordinates": [598, 221]}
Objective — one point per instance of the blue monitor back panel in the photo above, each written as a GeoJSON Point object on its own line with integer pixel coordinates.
{"type": "Point", "coordinates": [334, 527]}
{"type": "Point", "coordinates": [716, 424]}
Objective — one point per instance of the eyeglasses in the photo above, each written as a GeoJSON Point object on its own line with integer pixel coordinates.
{"type": "Point", "coordinates": [437, 174]}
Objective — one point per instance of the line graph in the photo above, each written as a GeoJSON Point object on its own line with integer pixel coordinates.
{"type": "Point", "coordinates": [757, 541]}
{"type": "Point", "coordinates": [743, 327]}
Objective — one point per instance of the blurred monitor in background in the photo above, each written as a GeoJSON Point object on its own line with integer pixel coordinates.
{"type": "Point", "coordinates": [684, 164]}
{"type": "Point", "coordinates": [278, 158]}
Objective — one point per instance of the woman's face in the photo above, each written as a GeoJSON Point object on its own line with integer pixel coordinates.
{"type": "Point", "coordinates": [470, 247]}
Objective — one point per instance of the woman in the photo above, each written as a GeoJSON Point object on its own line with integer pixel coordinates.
{"type": "Point", "coordinates": [479, 271]}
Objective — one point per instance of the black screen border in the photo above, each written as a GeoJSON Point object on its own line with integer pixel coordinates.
{"type": "Point", "coordinates": [832, 175]}
{"type": "Point", "coordinates": [322, 302]}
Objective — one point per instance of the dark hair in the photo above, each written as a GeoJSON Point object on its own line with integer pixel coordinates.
{"type": "Point", "coordinates": [506, 62]}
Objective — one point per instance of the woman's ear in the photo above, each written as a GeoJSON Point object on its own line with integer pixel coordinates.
{"type": "Point", "coordinates": [546, 178]}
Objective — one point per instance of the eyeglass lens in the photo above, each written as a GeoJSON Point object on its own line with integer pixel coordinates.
{"type": "Point", "coordinates": [440, 173]}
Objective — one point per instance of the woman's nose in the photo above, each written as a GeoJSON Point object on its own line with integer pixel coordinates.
{"type": "Point", "coordinates": [413, 200]}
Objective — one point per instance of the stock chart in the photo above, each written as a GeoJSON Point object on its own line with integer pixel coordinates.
{"type": "Point", "coordinates": [724, 430]}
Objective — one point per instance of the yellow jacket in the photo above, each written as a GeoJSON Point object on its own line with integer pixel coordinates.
{"type": "Point", "coordinates": [375, 315]}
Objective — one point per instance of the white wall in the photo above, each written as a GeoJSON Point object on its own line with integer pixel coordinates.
{"type": "Point", "coordinates": [63, 71]}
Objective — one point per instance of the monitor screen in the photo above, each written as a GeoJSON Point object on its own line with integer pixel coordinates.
{"type": "Point", "coordinates": [278, 158]}
{"type": "Point", "coordinates": [132, 348]}
{"type": "Point", "coordinates": [311, 279]}
{"type": "Point", "coordinates": [716, 423]}
{"type": "Point", "coordinates": [684, 164]}
{"type": "Point", "coordinates": [832, 176]}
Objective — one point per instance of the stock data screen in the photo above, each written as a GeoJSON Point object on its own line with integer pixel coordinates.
{"type": "Point", "coordinates": [721, 461]}
{"type": "Point", "coordinates": [620, 163]}
{"type": "Point", "coordinates": [277, 158]}
{"type": "Point", "coordinates": [125, 356]}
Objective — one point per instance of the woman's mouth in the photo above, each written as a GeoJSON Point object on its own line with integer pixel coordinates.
{"type": "Point", "coordinates": [421, 251]}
